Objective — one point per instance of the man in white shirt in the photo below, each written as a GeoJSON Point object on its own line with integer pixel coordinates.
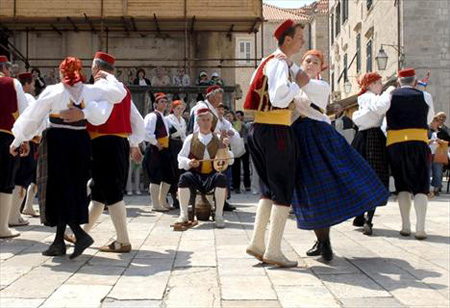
{"type": "Point", "coordinates": [194, 157]}
{"type": "Point", "coordinates": [272, 142]}
{"type": "Point", "coordinates": [157, 159]}
{"type": "Point", "coordinates": [408, 117]}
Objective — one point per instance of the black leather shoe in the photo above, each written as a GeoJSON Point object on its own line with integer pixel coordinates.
{"type": "Point", "coordinates": [228, 207]}
{"type": "Point", "coordinates": [359, 221]}
{"type": "Point", "coordinates": [327, 252]}
{"type": "Point", "coordinates": [81, 245]}
{"type": "Point", "coordinates": [55, 250]}
{"type": "Point", "coordinates": [315, 250]}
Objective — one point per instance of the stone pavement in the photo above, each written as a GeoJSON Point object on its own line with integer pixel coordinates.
{"type": "Point", "coordinates": [207, 267]}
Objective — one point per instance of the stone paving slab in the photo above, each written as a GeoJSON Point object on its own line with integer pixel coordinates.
{"type": "Point", "coordinates": [208, 267]}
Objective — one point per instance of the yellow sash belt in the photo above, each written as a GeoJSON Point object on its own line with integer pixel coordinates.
{"type": "Point", "coordinates": [404, 135]}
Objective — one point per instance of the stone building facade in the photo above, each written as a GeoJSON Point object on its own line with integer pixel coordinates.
{"type": "Point", "coordinates": [315, 33]}
{"type": "Point", "coordinates": [413, 33]}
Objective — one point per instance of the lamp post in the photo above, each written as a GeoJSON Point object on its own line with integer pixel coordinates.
{"type": "Point", "coordinates": [382, 57]}
{"type": "Point", "coordinates": [347, 86]}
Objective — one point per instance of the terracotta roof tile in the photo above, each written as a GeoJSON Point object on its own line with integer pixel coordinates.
{"type": "Point", "coordinates": [273, 13]}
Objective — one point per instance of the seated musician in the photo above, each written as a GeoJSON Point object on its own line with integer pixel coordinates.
{"type": "Point", "coordinates": [194, 157]}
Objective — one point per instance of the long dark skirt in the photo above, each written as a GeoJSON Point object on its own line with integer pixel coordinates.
{"type": "Point", "coordinates": [371, 144]}
{"type": "Point", "coordinates": [63, 172]}
{"type": "Point", "coordinates": [334, 182]}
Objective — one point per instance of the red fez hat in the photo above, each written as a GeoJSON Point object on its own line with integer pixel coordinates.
{"type": "Point", "coordinates": [159, 95]}
{"type": "Point", "coordinates": [3, 59]}
{"type": "Point", "coordinates": [407, 72]}
{"type": "Point", "coordinates": [213, 89]}
{"type": "Point", "coordinates": [24, 76]}
{"type": "Point", "coordinates": [202, 111]}
{"type": "Point", "coordinates": [105, 57]}
{"type": "Point", "coordinates": [287, 24]}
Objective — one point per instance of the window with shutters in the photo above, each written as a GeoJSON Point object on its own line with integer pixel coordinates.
{"type": "Point", "coordinates": [338, 19]}
{"type": "Point", "coordinates": [369, 56]}
{"type": "Point", "coordinates": [245, 51]}
{"type": "Point", "coordinates": [358, 52]}
{"type": "Point", "coordinates": [344, 11]}
{"type": "Point", "coordinates": [332, 29]}
{"type": "Point", "coordinates": [345, 68]}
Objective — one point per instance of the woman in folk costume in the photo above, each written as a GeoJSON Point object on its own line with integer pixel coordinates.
{"type": "Point", "coordinates": [65, 151]}
{"type": "Point", "coordinates": [177, 131]}
{"type": "Point", "coordinates": [333, 181]}
{"type": "Point", "coordinates": [370, 140]}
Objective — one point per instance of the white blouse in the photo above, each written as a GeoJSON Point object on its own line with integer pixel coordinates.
{"type": "Point", "coordinates": [98, 99]}
{"type": "Point", "coordinates": [179, 125]}
{"type": "Point", "coordinates": [317, 92]}
{"type": "Point", "coordinates": [372, 109]}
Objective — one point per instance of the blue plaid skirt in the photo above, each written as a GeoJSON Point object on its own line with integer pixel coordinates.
{"type": "Point", "coordinates": [334, 182]}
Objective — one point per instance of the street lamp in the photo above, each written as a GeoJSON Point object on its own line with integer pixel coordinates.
{"type": "Point", "coordinates": [347, 86]}
{"type": "Point", "coordinates": [382, 57]}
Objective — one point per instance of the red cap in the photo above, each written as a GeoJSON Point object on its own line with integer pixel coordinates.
{"type": "Point", "coordinates": [175, 104]}
{"type": "Point", "coordinates": [105, 57]}
{"type": "Point", "coordinates": [23, 76]}
{"type": "Point", "coordinates": [159, 95]}
{"type": "Point", "coordinates": [202, 111]}
{"type": "Point", "coordinates": [3, 59]}
{"type": "Point", "coordinates": [283, 28]}
{"type": "Point", "coordinates": [407, 72]}
{"type": "Point", "coordinates": [210, 90]}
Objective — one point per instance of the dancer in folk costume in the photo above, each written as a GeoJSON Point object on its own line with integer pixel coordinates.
{"type": "Point", "coordinates": [13, 102]}
{"type": "Point", "coordinates": [333, 181]}
{"type": "Point", "coordinates": [370, 140]}
{"type": "Point", "coordinates": [29, 176]}
{"type": "Point", "coordinates": [111, 144]}
{"type": "Point", "coordinates": [157, 159]}
{"type": "Point", "coordinates": [200, 175]}
{"type": "Point", "coordinates": [65, 152]}
{"type": "Point", "coordinates": [177, 130]}
{"type": "Point", "coordinates": [27, 165]}
{"type": "Point", "coordinates": [272, 142]}
{"type": "Point", "coordinates": [408, 117]}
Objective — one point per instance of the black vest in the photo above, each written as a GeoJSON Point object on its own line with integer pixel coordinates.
{"type": "Point", "coordinates": [160, 128]}
{"type": "Point", "coordinates": [408, 110]}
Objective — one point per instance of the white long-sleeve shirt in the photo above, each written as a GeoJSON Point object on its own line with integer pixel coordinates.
{"type": "Point", "coordinates": [281, 90]}
{"type": "Point", "coordinates": [372, 109]}
{"type": "Point", "coordinates": [317, 92]}
{"type": "Point", "coordinates": [150, 126]}
{"type": "Point", "coordinates": [22, 101]}
{"type": "Point", "coordinates": [98, 99]}
{"type": "Point", "coordinates": [183, 156]}
{"type": "Point", "coordinates": [179, 125]}
{"type": "Point", "coordinates": [137, 127]}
